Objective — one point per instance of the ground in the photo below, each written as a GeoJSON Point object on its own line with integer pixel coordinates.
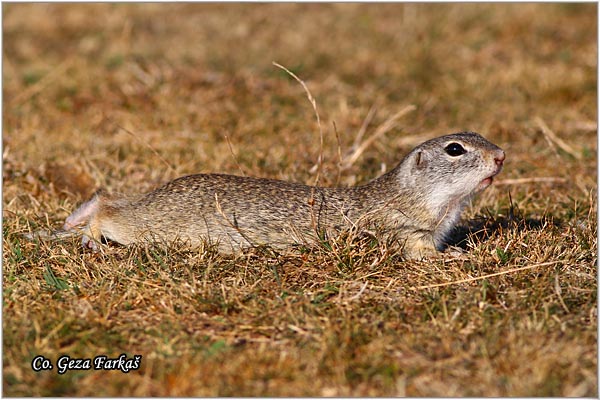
{"type": "Point", "coordinates": [127, 96]}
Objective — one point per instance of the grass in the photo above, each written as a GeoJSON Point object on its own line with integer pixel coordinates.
{"type": "Point", "coordinates": [127, 96]}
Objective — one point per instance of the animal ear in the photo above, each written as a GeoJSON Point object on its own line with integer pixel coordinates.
{"type": "Point", "coordinates": [420, 161]}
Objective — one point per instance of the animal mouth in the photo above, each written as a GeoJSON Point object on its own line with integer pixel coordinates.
{"type": "Point", "coordinates": [488, 181]}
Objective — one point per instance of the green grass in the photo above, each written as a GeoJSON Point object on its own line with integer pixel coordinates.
{"type": "Point", "coordinates": [128, 96]}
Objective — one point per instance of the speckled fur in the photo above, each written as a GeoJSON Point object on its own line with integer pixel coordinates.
{"type": "Point", "coordinates": [416, 204]}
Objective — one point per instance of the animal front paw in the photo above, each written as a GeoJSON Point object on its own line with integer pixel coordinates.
{"type": "Point", "coordinates": [420, 252]}
{"type": "Point", "coordinates": [455, 253]}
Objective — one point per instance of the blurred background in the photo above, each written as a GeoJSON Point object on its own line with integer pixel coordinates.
{"type": "Point", "coordinates": [185, 77]}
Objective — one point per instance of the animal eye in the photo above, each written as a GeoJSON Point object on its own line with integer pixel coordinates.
{"type": "Point", "coordinates": [455, 150]}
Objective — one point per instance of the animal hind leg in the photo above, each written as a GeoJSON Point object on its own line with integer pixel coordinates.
{"type": "Point", "coordinates": [83, 214]}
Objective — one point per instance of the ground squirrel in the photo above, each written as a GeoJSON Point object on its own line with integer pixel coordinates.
{"type": "Point", "coordinates": [416, 204]}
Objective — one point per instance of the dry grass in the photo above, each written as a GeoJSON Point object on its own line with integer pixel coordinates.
{"type": "Point", "coordinates": [194, 83]}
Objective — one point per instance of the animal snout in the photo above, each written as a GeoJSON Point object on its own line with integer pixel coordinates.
{"type": "Point", "coordinates": [499, 158]}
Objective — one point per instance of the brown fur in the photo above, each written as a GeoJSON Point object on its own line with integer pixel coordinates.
{"type": "Point", "coordinates": [415, 205]}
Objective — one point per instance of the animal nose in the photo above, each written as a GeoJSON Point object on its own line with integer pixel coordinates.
{"type": "Point", "coordinates": [499, 159]}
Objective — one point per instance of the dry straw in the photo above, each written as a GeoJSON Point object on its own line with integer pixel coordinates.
{"type": "Point", "coordinates": [478, 278]}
